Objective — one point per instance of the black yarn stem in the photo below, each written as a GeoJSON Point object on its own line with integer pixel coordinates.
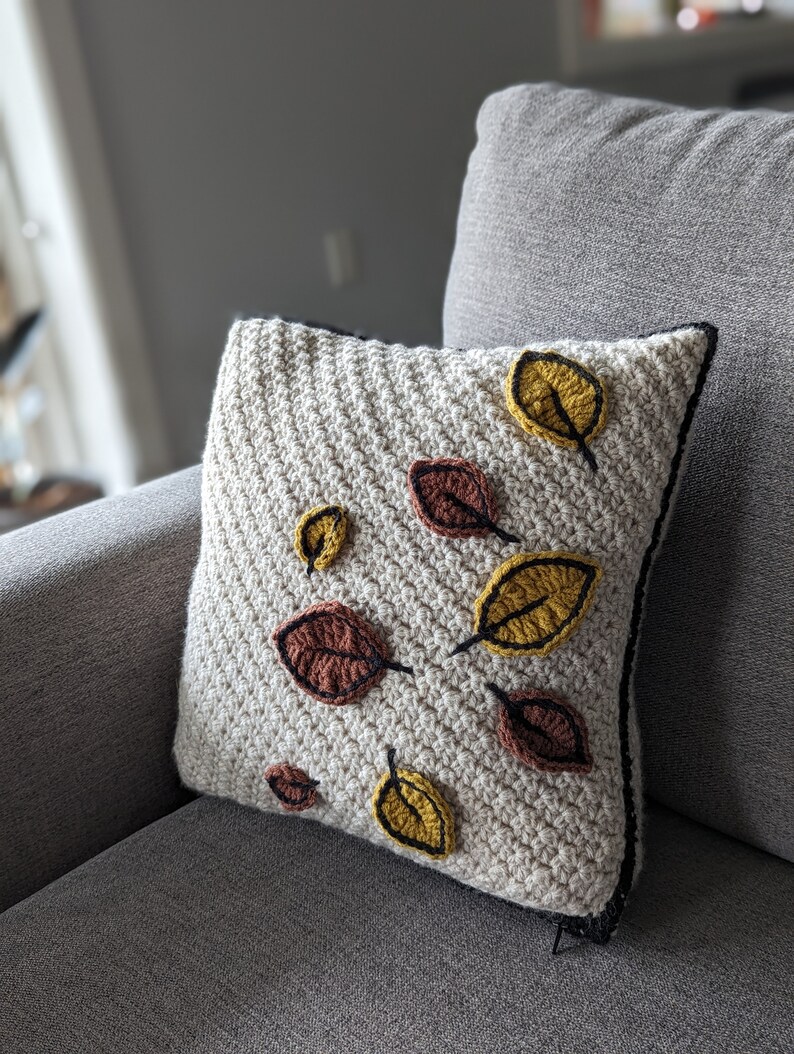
{"type": "Point", "coordinates": [478, 518]}
{"type": "Point", "coordinates": [587, 454]}
{"type": "Point", "coordinates": [513, 708]}
{"type": "Point", "coordinates": [468, 644]}
{"type": "Point", "coordinates": [396, 666]}
{"type": "Point", "coordinates": [300, 785]}
{"type": "Point", "coordinates": [556, 944]}
{"type": "Point", "coordinates": [396, 783]}
{"type": "Point", "coordinates": [504, 535]}
{"type": "Point", "coordinates": [584, 450]}
{"type": "Point", "coordinates": [500, 695]}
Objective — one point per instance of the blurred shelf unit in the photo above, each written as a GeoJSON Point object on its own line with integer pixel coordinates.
{"type": "Point", "coordinates": [586, 49]}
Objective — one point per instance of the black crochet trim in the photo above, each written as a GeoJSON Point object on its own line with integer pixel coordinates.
{"type": "Point", "coordinates": [599, 928]}
{"type": "Point", "coordinates": [325, 327]}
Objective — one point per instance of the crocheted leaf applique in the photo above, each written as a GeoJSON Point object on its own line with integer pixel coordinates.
{"type": "Point", "coordinates": [332, 654]}
{"type": "Point", "coordinates": [319, 536]}
{"type": "Point", "coordinates": [543, 730]}
{"type": "Point", "coordinates": [533, 602]}
{"type": "Point", "coordinates": [558, 399]}
{"type": "Point", "coordinates": [453, 498]}
{"type": "Point", "coordinates": [294, 789]}
{"type": "Point", "coordinates": [409, 809]}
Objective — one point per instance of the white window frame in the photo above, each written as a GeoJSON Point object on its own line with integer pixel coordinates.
{"type": "Point", "coordinates": [64, 187]}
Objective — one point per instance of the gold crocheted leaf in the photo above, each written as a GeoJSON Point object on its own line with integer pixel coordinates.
{"type": "Point", "coordinates": [320, 535]}
{"type": "Point", "coordinates": [409, 809]}
{"type": "Point", "coordinates": [557, 399]}
{"type": "Point", "coordinates": [533, 602]}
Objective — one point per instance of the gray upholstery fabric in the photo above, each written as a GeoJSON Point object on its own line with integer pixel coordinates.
{"type": "Point", "coordinates": [222, 929]}
{"type": "Point", "coordinates": [92, 608]}
{"type": "Point", "coordinates": [591, 216]}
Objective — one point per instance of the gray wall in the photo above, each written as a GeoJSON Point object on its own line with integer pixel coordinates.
{"type": "Point", "coordinates": [238, 131]}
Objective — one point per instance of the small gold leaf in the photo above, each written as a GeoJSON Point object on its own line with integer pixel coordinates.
{"type": "Point", "coordinates": [409, 809]}
{"type": "Point", "coordinates": [557, 399]}
{"type": "Point", "coordinates": [320, 535]}
{"type": "Point", "coordinates": [533, 602]}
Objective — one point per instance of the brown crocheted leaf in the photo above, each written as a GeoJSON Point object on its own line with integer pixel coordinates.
{"type": "Point", "coordinates": [453, 498]}
{"type": "Point", "coordinates": [332, 654]}
{"type": "Point", "coordinates": [292, 786]}
{"type": "Point", "coordinates": [543, 730]}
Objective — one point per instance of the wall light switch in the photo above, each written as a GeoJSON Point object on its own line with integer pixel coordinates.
{"type": "Point", "coordinates": [341, 257]}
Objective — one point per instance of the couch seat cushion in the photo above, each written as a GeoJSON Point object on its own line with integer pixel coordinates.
{"type": "Point", "coordinates": [223, 929]}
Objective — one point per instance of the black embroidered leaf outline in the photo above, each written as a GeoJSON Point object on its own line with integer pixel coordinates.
{"type": "Point", "coordinates": [412, 812]}
{"type": "Point", "coordinates": [543, 730]}
{"type": "Point", "coordinates": [453, 498]}
{"type": "Point", "coordinates": [319, 536]}
{"type": "Point", "coordinates": [558, 399]}
{"type": "Point", "coordinates": [333, 654]}
{"type": "Point", "coordinates": [533, 603]}
{"type": "Point", "coordinates": [295, 790]}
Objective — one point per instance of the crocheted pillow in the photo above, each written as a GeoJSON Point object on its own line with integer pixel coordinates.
{"type": "Point", "coordinates": [417, 602]}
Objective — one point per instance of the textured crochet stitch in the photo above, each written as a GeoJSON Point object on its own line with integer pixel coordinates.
{"type": "Point", "coordinates": [302, 414]}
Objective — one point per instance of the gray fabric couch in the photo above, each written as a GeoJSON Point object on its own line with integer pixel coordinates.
{"type": "Point", "coordinates": [137, 919]}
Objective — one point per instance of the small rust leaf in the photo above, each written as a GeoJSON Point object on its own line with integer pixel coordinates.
{"type": "Point", "coordinates": [294, 789]}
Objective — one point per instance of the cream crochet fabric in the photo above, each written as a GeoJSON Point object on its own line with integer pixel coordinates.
{"type": "Point", "coordinates": [304, 418]}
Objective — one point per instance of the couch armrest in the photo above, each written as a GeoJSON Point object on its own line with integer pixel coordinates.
{"type": "Point", "coordinates": [92, 614]}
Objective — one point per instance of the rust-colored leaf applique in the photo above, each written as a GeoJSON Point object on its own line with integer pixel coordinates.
{"type": "Point", "coordinates": [319, 536]}
{"type": "Point", "coordinates": [533, 602]}
{"type": "Point", "coordinates": [557, 399]}
{"type": "Point", "coordinates": [409, 809]}
{"type": "Point", "coordinates": [332, 654]}
{"type": "Point", "coordinates": [292, 786]}
{"type": "Point", "coordinates": [543, 730]}
{"type": "Point", "coordinates": [453, 498]}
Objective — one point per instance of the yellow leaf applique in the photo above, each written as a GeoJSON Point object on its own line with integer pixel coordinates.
{"type": "Point", "coordinates": [557, 399]}
{"type": "Point", "coordinates": [409, 809]}
{"type": "Point", "coordinates": [320, 535]}
{"type": "Point", "coordinates": [533, 602]}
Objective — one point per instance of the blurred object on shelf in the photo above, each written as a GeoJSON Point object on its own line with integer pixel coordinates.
{"type": "Point", "coordinates": [774, 92]}
{"type": "Point", "coordinates": [47, 497]}
{"type": "Point", "coordinates": [20, 403]}
{"type": "Point", "coordinates": [609, 19]}
{"type": "Point", "coordinates": [629, 18]}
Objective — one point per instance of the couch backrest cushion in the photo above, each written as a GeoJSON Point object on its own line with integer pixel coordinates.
{"type": "Point", "coordinates": [593, 215]}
